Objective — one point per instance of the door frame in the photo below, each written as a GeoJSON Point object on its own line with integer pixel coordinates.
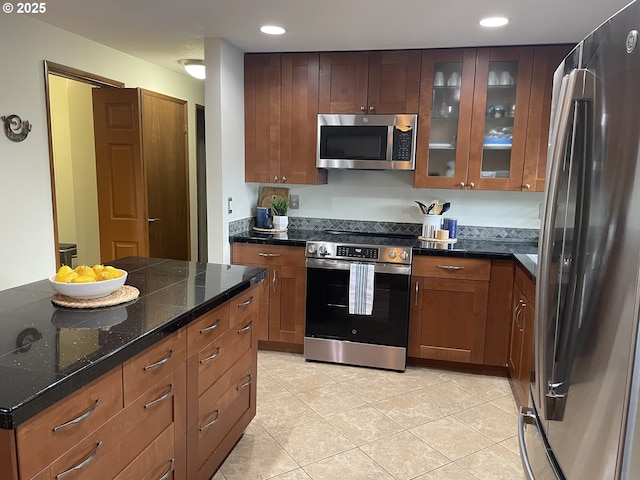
{"type": "Point", "coordinates": [80, 76]}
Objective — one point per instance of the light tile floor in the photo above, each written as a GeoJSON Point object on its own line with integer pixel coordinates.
{"type": "Point", "coordinates": [322, 421]}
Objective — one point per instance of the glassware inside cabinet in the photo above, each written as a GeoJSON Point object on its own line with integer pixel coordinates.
{"type": "Point", "coordinates": [500, 114]}
{"type": "Point", "coordinates": [444, 119]}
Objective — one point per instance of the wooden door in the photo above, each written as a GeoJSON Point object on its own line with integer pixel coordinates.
{"type": "Point", "coordinates": [444, 128]}
{"type": "Point", "coordinates": [545, 62]}
{"type": "Point", "coordinates": [262, 100]}
{"type": "Point", "coordinates": [122, 190]}
{"type": "Point", "coordinates": [344, 78]}
{"type": "Point", "coordinates": [164, 135]}
{"type": "Point", "coordinates": [500, 114]}
{"type": "Point", "coordinates": [394, 81]}
{"type": "Point", "coordinates": [300, 119]}
{"type": "Point", "coordinates": [448, 319]}
{"type": "Point", "coordinates": [287, 308]}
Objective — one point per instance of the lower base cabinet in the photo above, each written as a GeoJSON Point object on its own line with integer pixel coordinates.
{"type": "Point", "coordinates": [173, 412]}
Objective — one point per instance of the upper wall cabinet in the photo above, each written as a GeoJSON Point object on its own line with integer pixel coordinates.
{"type": "Point", "coordinates": [484, 117]}
{"type": "Point", "coordinates": [384, 82]}
{"type": "Point", "coordinates": [281, 110]}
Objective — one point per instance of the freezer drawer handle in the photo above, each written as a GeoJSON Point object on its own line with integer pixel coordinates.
{"type": "Point", "coordinates": [526, 417]}
{"type": "Point", "coordinates": [79, 419]}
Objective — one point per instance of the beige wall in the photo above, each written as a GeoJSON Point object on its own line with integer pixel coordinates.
{"type": "Point", "coordinates": [27, 246]}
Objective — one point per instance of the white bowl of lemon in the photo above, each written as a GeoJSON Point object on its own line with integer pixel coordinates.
{"type": "Point", "coordinates": [84, 282]}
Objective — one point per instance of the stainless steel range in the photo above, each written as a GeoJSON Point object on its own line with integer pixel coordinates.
{"type": "Point", "coordinates": [358, 300]}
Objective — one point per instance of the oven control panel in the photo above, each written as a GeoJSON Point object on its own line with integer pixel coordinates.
{"type": "Point", "coordinates": [369, 253]}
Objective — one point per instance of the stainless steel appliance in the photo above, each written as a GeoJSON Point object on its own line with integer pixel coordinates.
{"type": "Point", "coordinates": [370, 142]}
{"type": "Point", "coordinates": [582, 421]}
{"type": "Point", "coordinates": [332, 334]}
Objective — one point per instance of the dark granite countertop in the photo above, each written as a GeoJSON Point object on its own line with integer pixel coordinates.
{"type": "Point", "coordinates": [48, 352]}
{"type": "Point", "coordinates": [462, 248]}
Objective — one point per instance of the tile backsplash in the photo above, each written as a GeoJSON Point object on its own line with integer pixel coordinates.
{"type": "Point", "coordinates": [464, 232]}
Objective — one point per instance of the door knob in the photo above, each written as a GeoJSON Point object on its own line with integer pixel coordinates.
{"type": "Point", "coordinates": [527, 186]}
{"type": "Point", "coordinates": [462, 185]}
{"type": "Point", "coordinates": [471, 184]}
{"type": "Point", "coordinates": [275, 179]}
{"type": "Point", "coordinates": [151, 220]}
{"type": "Point", "coordinates": [362, 109]}
{"type": "Point", "coordinates": [371, 109]}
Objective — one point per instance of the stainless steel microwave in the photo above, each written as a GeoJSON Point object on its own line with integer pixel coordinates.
{"type": "Point", "coordinates": [367, 142]}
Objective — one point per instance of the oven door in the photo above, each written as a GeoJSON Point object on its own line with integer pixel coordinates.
{"type": "Point", "coordinates": [328, 304]}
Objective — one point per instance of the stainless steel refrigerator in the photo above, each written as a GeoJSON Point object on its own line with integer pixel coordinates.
{"type": "Point", "coordinates": [582, 420]}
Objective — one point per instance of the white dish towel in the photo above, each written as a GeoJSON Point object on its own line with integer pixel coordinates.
{"type": "Point", "coordinates": [361, 283]}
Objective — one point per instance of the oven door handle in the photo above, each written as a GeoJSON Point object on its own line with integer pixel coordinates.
{"type": "Point", "coordinates": [328, 264]}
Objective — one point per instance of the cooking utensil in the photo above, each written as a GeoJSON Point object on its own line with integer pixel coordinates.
{"type": "Point", "coordinates": [437, 209]}
{"type": "Point", "coordinates": [445, 207]}
{"type": "Point", "coordinates": [423, 207]}
{"type": "Point", "coordinates": [429, 208]}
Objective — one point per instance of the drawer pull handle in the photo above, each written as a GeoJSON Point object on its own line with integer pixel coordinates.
{"type": "Point", "coordinates": [79, 419]}
{"type": "Point", "coordinates": [161, 398]}
{"type": "Point", "coordinates": [450, 267]}
{"type": "Point", "coordinates": [215, 355]}
{"type": "Point", "coordinates": [247, 328]}
{"type": "Point", "coordinates": [269, 254]}
{"type": "Point", "coordinates": [246, 303]}
{"type": "Point", "coordinates": [210, 327]}
{"type": "Point", "coordinates": [82, 464]}
{"type": "Point", "coordinates": [245, 384]}
{"type": "Point", "coordinates": [415, 300]}
{"type": "Point", "coordinates": [160, 362]}
{"type": "Point", "coordinates": [212, 422]}
{"type": "Point", "coordinates": [168, 473]}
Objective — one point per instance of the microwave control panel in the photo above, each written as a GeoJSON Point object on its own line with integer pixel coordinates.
{"type": "Point", "coordinates": [402, 143]}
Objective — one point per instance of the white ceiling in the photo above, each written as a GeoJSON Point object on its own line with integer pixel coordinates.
{"type": "Point", "coordinates": [163, 31]}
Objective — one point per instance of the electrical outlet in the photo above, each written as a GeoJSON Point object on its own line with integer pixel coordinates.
{"type": "Point", "coordinates": [294, 203]}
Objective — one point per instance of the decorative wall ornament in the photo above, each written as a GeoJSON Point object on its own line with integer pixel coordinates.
{"type": "Point", "coordinates": [15, 128]}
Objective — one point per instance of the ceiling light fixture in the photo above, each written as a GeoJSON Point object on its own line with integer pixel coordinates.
{"type": "Point", "coordinates": [272, 30]}
{"type": "Point", "coordinates": [494, 21]}
{"type": "Point", "coordinates": [195, 68]}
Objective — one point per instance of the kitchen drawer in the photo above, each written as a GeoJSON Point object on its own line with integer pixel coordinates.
{"type": "Point", "coordinates": [111, 448]}
{"type": "Point", "coordinates": [206, 329]}
{"type": "Point", "coordinates": [451, 267]}
{"type": "Point", "coordinates": [148, 367]}
{"type": "Point", "coordinates": [48, 435]}
{"type": "Point", "coordinates": [252, 254]}
{"type": "Point", "coordinates": [243, 308]}
{"type": "Point", "coordinates": [525, 284]}
{"type": "Point", "coordinates": [216, 422]}
{"type": "Point", "coordinates": [155, 462]}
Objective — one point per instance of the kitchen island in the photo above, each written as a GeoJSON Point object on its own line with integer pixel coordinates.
{"type": "Point", "coordinates": [52, 357]}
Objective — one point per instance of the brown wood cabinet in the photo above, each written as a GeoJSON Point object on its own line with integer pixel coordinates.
{"type": "Point", "coordinates": [521, 344]}
{"type": "Point", "coordinates": [161, 414]}
{"type": "Point", "coordinates": [370, 82]}
{"type": "Point", "coordinates": [449, 308]}
{"type": "Point", "coordinates": [282, 311]}
{"type": "Point", "coordinates": [281, 110]}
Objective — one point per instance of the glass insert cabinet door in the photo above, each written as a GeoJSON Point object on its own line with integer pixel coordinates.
{"type": "Point", "coordinates": [446, 97]}
{"type": "Point", "coordinates": [501, 109]}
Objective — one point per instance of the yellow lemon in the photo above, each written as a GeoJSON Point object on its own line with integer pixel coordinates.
{"type": "Point", "coordinates": [113, 271]}
{"type": "Point", "coordinates": [83, 279]}
{"type": "Point", "coordinates": [63, 273]}
{"type": "Point", "coordinates": [98, 268]}
{"type": "Point", "coordinates": [85, 271]}
{"type": "Point", "coordinates": [104, 275]}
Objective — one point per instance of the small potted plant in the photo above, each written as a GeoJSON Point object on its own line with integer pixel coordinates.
{"type": "Point", "coordinates": [279, 209]}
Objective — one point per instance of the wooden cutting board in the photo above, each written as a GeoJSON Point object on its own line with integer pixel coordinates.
{"type": "Point", "coordinates": [268, 193]}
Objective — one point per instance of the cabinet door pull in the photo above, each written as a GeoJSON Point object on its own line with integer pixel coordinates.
{"type": "Point", "coordinates": [415, 300]}
{"type": "Point", "coordinates": [168, 473]}
{"type": "Point", "coordinates": [245, 384]}
{"type": "Point", "coordinates": [263, 254]}
{"type": "Point", "coordinates": [450, 267]}
{"type": "Point", "coordinates": [210, 327]}
{"type": "Point", "coordinates": [215, 355]}
{"type": "Point", "coordinates": [161, 398]}
{"type": "Point", "coordinates": [212, 422]}
{"type": "Point", "coordinates": [160, 362]}
{"type": "Point", "coordinates": [246, 302]}
{"type": "Point", "coordinates": [82, 464]}
{"type": "Point", "coordinates": [79, 419]}
{"type": "Point", "coordinates": [247, 328]}
{"type": "Point", "coordinates": [517, 315]}
{"type": "Point", "coordinates": [274, 281]}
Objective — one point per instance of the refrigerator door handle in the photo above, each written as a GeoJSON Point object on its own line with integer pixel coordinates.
{"type": "Point", "coordinates": [526, 417]}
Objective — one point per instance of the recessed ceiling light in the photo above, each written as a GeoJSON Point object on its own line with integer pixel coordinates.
{"type": "Point", "coordinates": [272, 29]}
{"type": "Point", "coordinates": [195, 68]}
{"type": "Point", "coordinates": [494, 21]}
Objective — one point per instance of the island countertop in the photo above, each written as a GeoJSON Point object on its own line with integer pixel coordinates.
{"type": "Point", "coordinates": [48, 352]}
